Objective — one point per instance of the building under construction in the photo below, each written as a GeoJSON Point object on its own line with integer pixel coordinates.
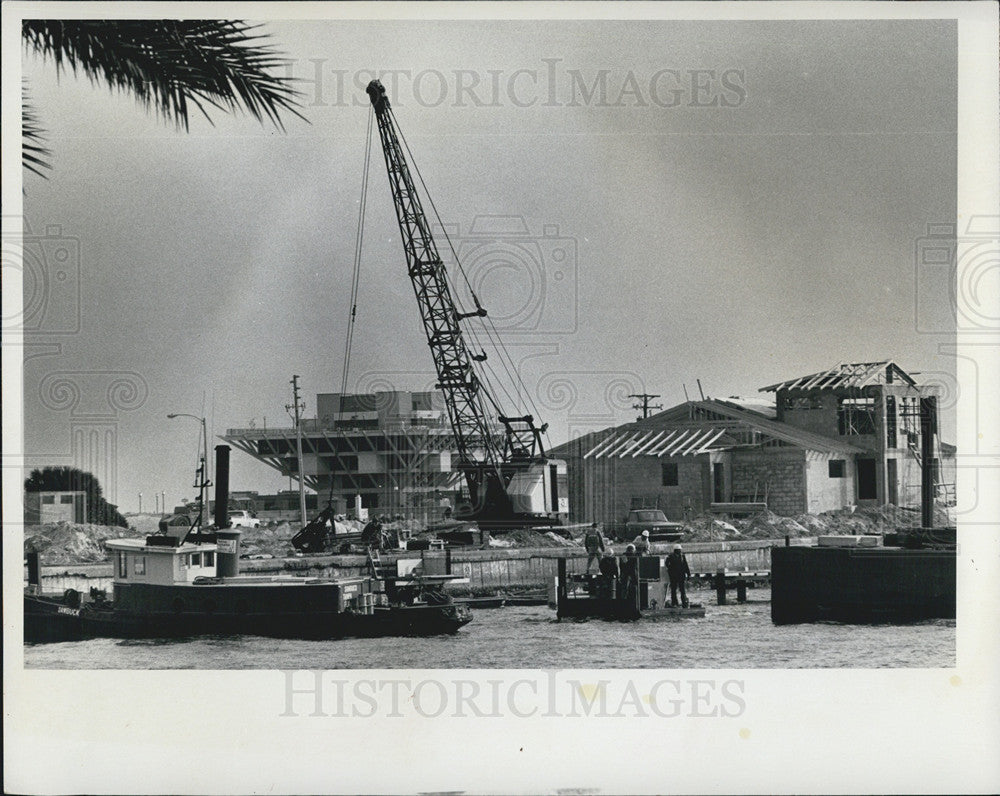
{"type": "Point", "coordinates": [851, 435]}
{"type": "Point", "coordinates": [394, 449]}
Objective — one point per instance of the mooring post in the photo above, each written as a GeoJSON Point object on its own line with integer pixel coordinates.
{"type": "Point", "coordinates": [34, 573]}
{"type": "Point", "coordinates": [720, 586]}
{"type": "Point", "coordinates": [447, 560]}
{"type": "Point", "coordinates": [560, 586]}
{"type": "Point", "coordinates": [741, 591]}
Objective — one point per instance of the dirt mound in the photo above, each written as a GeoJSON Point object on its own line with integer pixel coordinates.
{"type": "Point", "coordinates": [69, 543]}
{"type": "Point", "coordinates": [709, 528]}
{"type": "Point", "coordinates": [266, 540]}
{"type": "Point", "coordinates": [706, 528]}
{"type": "Point", "coordinates": [525, 537]}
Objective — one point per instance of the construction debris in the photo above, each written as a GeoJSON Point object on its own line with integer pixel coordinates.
{"type": "Point", "coordinates": [66, 543]}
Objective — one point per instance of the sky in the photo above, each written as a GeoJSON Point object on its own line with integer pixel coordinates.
{"type": "Point", "coordinates": [640, 205]}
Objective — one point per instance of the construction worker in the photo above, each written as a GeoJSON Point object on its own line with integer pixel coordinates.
{"type": "Point", "coordinates": [677, 571]}
{"type": "Point", "coordinates": [641, 543]}
{"type": "Point", "coordinates": [629, 574]}
{"type": "Point", "coordinates": [593, 541]}
{"type": "Point", "coordinates": [609, 563]}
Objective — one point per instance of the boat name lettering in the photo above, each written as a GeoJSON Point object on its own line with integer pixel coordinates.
{"type": "Point", "coordinates": [69, 611]}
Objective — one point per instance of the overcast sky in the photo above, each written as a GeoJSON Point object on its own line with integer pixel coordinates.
{"type": "Point", "coordinates": [735, 202]}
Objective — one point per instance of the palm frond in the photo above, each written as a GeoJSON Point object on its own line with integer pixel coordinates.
{"type": "Point", "coordinates": [34, 154]}
{"type": "Point", "coordinates": [170, 65]}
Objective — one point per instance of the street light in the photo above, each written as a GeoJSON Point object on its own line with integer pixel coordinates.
{"type": "Point", "coordinates": [203, 483]}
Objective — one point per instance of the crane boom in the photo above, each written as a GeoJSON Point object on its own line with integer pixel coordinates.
{"type": "Point", "coordinates": [463, 392]}
{"type": "Point", "coordinates": [501, 469]}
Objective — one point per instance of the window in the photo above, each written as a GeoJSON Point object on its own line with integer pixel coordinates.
{"type": "Point", "coordinates": [196, 559]}
{"type": "Point", "coordinates": [856, 416]}
{"type": "Point", "coordinates": [669, 474]}
{"type": "Point", "coordinates": [209, 559]}
{"type": "Point", "coordinates": [122, 564]}
{"type": "Point", "coordinates": [65, 498]}
{"type": "Point", "coordinates": [837, 468]}
{"type": "Point", "coordinates": [140, 565]}
{"type": "Point", "coordinates": [799, 402]}
{"type": "Point", "coordinates": [48, 498]}
{"type": "Point", "coordinates": [909, 417]}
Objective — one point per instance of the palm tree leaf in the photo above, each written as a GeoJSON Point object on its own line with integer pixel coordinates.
{"type": "Point", "coordinates": [169, 65]}
{"type": "Point", "coordinates": [34, 154]}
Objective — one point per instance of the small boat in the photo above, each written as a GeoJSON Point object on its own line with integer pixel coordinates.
{"type": "Point", "coordinates": [526, 600]}
{"type": "Point", "coordinates": [482, 602]}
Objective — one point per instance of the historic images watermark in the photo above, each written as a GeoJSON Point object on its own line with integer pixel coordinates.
{"type": "Point", "coordinates": [956, 277]}
{"type": "Point", "coordinates": [318, 693]}
{"type": "Point", "coordinates": [527, 273]}
{"type": "Point", "coordinates": [49, 265]}
{"type": "Point", "coordinates": [547, 83]}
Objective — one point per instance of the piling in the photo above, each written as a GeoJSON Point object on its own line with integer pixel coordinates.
{"type": "Point", "coordinates": [221, 486]}
{"type": "Point", "coordinates": [34, 573]}
{"type": "Point", "coordinates": [928, 427]}
{"type": "Point", "coordinates": [720, 586]}
{"type": "Point", "coordinates": [741, 591]}
{"type": "Point", "coordinates": [561, 586]}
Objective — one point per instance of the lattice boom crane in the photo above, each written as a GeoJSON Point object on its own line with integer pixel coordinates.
{"type": "Point", "coordinates": [510, 480]}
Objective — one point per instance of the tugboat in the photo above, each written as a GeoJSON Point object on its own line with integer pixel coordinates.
{"type": "Point", "coordinates": [186, 582]}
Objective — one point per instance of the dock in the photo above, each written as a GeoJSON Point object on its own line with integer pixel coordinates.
{"type": "Point", "coordinates": [635, 589]}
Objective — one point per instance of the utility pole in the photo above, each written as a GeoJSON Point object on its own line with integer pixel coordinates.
{"type": "Point", "coordinates": [297, 406]}
{"type": "Point", "coordinates": [645, 406]}
{"type": "Point", "coordinates": [140, 502]}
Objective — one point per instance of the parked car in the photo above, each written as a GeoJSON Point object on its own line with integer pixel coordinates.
{"type": "Point", "coordinates": [243, 519]}
{"type": "Point", "coordinates": [655, 521]}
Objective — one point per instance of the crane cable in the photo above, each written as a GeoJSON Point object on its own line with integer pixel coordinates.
{"type": "Point", "coordinates": [490, 329]}
{"type": "Point", "coordinates": [357, 255]}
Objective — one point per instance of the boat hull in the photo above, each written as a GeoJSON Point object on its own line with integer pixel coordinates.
{"type": "Point", "coordinates": [45, 622]}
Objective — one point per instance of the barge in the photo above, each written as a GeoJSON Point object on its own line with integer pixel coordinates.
{"type": "Point", "coordinates": [627, 589]}
{"type": "Point", "coordinates": [850, 579]}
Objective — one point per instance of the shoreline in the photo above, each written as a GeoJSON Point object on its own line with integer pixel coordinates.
{"type": "Point", "coordinates": [491, 571]}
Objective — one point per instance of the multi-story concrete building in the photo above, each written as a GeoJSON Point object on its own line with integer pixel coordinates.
{"type": "Point", "coordinates": [846, 436]}
{"type": "Point", "coordinates": [393, 449]}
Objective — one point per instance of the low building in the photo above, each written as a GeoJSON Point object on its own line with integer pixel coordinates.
{"type": "Point", "coordinates": [846, 436]}
{"type": "Point", "coordinates": [394, 449]}
{"type": "Point", "coordinates": [56, 506]}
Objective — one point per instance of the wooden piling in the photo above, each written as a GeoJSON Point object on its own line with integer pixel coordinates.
{"type": "Point", "coordinates": [720, 586]}
{"type": "Point", "coordinates": [561, 589]}
{"type": "Point", "coordinates": [741, 591]}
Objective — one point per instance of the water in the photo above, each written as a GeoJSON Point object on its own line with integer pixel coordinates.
{"type": "Point", "coordinates": [729, 637]}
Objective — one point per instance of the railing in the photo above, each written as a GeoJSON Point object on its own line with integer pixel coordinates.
{"type": "Point", "coordinates": [437, 429]}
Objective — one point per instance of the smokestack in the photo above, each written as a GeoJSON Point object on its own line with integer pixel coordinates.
{"type": "Point", "coordinates": [221, 486]}
{"type": "Point", "coordinates": [928, 428]}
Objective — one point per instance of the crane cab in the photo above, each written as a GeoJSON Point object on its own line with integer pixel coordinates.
{"type": "Point", "coordinates": [541, 490]}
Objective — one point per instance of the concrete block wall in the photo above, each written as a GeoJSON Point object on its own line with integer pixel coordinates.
{"type": "Point", "coordinates": [779, 474]}
{"type": "Point", "coordinates": [823, 492]}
